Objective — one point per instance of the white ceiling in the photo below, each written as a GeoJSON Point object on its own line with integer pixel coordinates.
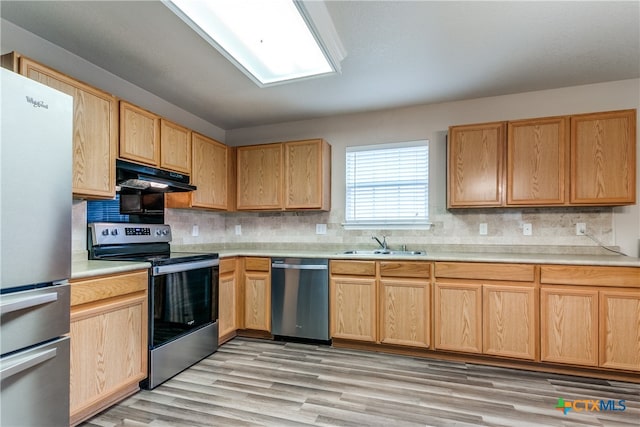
{"type": "Point", "coordinates": [399, 53]}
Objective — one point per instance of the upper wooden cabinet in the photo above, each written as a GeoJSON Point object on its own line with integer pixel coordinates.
{"type": "Point", "coordinates": [175, 147]}
{"type": "Point", "coordinates": [475, 161]}
{"type": "Point", "coordinates": [139, 135]}
{"type": "Point", "coordinates": [95, 127]}
{"type": "Point", "coordinates": [212, 172]}
{"type": "Point", "coordinates": [307, 166]}
{"type": "Point", "coordinates": [292, 175]}
{"type": "Point", "coordinates": [579, 160]}
{"type": "Point", "coordinates": [603, 160]}
{"type": "Point", "coordinates": [537, 154]}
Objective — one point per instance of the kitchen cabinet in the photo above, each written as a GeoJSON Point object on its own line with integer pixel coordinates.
{"type": "Point", "coordinates": [603, 158]}
{"type": "Point", "coordinates": [405, 298]}
{"type": "Point", "coordinates": [213, 173]}
{"type": "Point", "coordinates": [293, 175]}
{"type": "Point", "coordinates": [139, 135]}
{"type": "Point", "coordinates": [475, 165]}
{"type": "Point", "coordinates": [259, 180]}
{"type": "Point", "coordinates": [537, 155]}
{"type": "Point", "coordinates": [577, 160]}
{"type": "Point", "coordinates": [352, 300]}
{"type": "Point", "coordinates": [95, 127]}
{"type": "Point", "coordinates": [227, 300]}
{"type": "Point", "coordinates": [175, 147]}
{"type": "Point", "coordinates": [590, 316]}
{"type": "Point", "coordinates": [256, 278]}
{"type": "Point", "coordinates": [486, 308]}
{"type": "Point", "coordinates": [108, 341]}
{"type": "Point", "coordinates": [307, 175]}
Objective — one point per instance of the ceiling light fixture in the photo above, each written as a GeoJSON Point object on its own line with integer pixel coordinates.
{"type": "Point", "coordinates": [271, 41]}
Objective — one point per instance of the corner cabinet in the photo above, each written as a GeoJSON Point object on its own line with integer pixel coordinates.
{"type": "Point", "coordinates": [95, 128]}
{"type": "Point", "coordinates": [212, 172]}
{"type": "Point", "coordinates": [108, 341]}
{"type": "Point", "coordinates": [293, 175]}
{"type": "Point", "coordinates": [590, 316]}
{"type": "Point", "coordinates": [577, 160]}
{"type": "Point", "coordinates": [475, 165]}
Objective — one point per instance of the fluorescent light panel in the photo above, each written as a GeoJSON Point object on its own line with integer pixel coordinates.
{"type": "Point", "coordinates": [268, 40]}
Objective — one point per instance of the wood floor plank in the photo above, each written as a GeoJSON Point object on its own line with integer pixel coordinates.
{"type": "Point", "coordinates": [252, 382]}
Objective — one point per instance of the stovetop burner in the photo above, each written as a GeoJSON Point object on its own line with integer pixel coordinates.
{"type": "Point", "coordinates": [136, 242]}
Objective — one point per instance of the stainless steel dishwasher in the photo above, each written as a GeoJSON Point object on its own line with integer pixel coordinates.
{"type": "Point", "coordinates": [300, 298]}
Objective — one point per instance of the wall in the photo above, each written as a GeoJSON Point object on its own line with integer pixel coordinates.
{"type": "Point", "coordinates": [555, 227]}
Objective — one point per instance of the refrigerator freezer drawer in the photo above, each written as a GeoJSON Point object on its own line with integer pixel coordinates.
{"type": "Point", "coordinates": [35, 386]}
{"type": "Point", "coordinates": [33, 316]}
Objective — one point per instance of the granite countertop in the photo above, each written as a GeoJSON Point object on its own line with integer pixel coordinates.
{"type": "Point", "coordinates": [83, 267]}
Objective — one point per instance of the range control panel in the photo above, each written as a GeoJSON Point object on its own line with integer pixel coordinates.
{"type": "Point", "coordinates": [111, 233]}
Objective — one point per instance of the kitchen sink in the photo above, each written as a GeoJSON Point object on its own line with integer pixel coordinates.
{"type": "Point", "coordinates": [382, 252]}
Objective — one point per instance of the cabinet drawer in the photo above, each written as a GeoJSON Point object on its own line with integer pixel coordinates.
{"type": "Point", "coordinates": [485, 271]}
{"type": "Point", "coordinates": [405, 269]}
{"type": "Point", "coordinates": [99, 288]}
{"type": "Point", "coordinates": [590, 275]}
{"type": "Point", "coordinates": [357, 268]}
{"type": "Point", "coordinates": [227, 265]}
{"type": "Point", "coordinates": [257, 264]}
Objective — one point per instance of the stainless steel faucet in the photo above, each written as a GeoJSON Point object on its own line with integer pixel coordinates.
{"type": "Point", "coordinates": [382, 244]}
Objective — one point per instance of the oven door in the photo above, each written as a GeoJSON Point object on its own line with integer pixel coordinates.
{"type": "Point", "coordinates": [183, 298]}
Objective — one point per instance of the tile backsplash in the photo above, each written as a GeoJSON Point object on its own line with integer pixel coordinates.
{"type": "Point", "coordinates": [550, 228]}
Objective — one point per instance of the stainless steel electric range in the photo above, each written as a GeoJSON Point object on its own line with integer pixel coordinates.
{"type": "Point", "coordinates": [183, 293]}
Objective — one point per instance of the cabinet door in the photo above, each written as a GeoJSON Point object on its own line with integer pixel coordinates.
{"type": "Point", "coordinates": [509, 321]}
{"type": "Point", "coordinates": [228, 299]}
{"type": "Point", "coordinates": [603, 159]}
{"type": "Point", "coordinates": [404, 312]}
{"type": "Point", "coordinates": [259, 180]}
{"type": "Point", "coordinates": [458, 317]}
{"type": "Point", "coordinates": [175, 147]}
{"type": "Point", "coordinates": [537, 155]}
{"type": "Point", "coordinates": [352, 304]}
{"type": "Point", "coordinates": [476, 158]}
{"type": "Point", "coordinates": [620, 329]}
{"type": "Point", "coordinates": [108, 352]}
{"type": "Point", "coordinates": [139, 135]}
{"type": "Point", "coordinates": [210, 173]}
{"type": "Point", "coordinates": [95, 130]}
{"type": "Point", "coordinates": [257, 300]}
{"type": "Point", "coordinates": [569, 325]}
{"type": "Point", "coordinates": [307, 174]}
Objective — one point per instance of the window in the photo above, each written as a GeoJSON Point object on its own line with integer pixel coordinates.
{"type": "Point", "coordinates": [388, 185]}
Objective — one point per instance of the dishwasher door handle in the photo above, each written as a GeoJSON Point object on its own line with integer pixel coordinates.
{"type": "Point", "coordinates": [300, 266]}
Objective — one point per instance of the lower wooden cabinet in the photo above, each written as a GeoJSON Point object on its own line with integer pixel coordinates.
{"type": "Point", "coordinates": [227, 300]}
{"type": "Point", "coordinates": [405, 312]}
{"type": "Point", "coordinates": [256, 279]}
{"type": "Point", "coordinates": [352, 303]}
{"type": "Point", "coordinates": [620, 329]}
{"type": "Point", "coordinates": [458, 317]}
{"type": "Point", "coordinates": [108, 341]}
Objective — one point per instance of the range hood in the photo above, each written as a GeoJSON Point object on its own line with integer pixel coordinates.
{"type": "Point", "coordinates": [150, 179]}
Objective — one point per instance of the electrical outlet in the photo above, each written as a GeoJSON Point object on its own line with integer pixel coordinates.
{"type": "Point", "coordinates": [581, 229]}
{"type": "Point", "coordinates": [527, 230]}
{"type": "Point", "coordinates": [321, 228]}
{"type": "Point", "coordinates": [238, 230]}
{"type": "Point", "coordinates": [483, 229]}
{"type": "Point", "coordinates": [195, 230]}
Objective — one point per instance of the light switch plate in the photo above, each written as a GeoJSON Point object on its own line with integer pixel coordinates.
{"type": "Point", "coordinates": [238, 230]}
{"type": "Point", "coordinates": [527, 230]}
{"type": "Point", "coordinates": [483, 229]}
{"type": "Point", "coordinates": [195, 230]}
{"type": "Point", "coordinates": [321, 228]}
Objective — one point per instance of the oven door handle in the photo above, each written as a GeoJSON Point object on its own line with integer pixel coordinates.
{"type": "Point", "coordinates": [183, 266]}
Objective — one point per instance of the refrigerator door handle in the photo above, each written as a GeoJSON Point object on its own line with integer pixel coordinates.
{"type": "Point", "coordinates": [27, 302]}
{"type": "Point", "coordinates": [26, 362]}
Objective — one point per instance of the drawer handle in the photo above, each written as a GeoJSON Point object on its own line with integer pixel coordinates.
{"type": "Point", "coordinates": [26, 362]}
{"type": "Point", "coordinates": [28, 302]}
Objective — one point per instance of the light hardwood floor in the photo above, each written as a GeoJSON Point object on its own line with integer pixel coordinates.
{"type": "Point", "coordinates": [259, 382]}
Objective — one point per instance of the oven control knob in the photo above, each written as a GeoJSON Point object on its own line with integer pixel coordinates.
{"type": "Point", "coordinates": [114, 232]}
{"type": "Point", "coordinates": [105, 232]}
{"type": "Point", "coordinates": [158, 232]}
{"type": "Point", "coordinates": [165, 232]}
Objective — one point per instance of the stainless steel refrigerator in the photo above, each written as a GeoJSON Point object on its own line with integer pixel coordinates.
{"type": "Point", "coordinates": [35, 252]}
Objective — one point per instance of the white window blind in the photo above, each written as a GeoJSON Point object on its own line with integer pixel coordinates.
{"type": "Point", "coordinates": [387, 185]}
